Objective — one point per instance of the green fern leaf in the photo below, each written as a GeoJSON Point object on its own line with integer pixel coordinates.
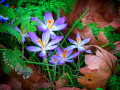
{"type": "Point", "coordinates": [13, 59]}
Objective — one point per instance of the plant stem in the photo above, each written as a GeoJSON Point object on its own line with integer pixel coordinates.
{"type": "Point", "coordinates": [54, 68]}
{"type": "Point", "coordinates": [23, 50]}
{"type": "Point", "coordinates": [64, 68]}
{"type": "Point", "coordinates": [78, 60]}
{"type": "Point", "coordinates": [45, 60]}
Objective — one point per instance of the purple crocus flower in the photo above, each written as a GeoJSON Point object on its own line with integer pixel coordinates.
{"type": "Point", "coordinates": [78, 44]}
{"type": "Point", "coordinates": [64, 56]}
{"type": "Point", "coordinates": [43, 44]}
{"type": "Point", "coordinates": [3, 19]}
{"type": "Point", "coordinates": [50, 24]}
{"type": "Point", "coordinates": [53, 61]}
{"type": "Point", "coordinates": [23, 33]}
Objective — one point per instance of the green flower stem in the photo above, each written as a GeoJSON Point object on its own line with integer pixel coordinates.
{"type": "Point", "coordinates": [23, 50]}
{"type": "Point", "coordinates": [45, 61]}
{"type": "Point", "coordinates": [78, 60]}
{"type": "Point", "coordinates": [64, 68]}
{"type": "Point", "coordinates": [54, 68]}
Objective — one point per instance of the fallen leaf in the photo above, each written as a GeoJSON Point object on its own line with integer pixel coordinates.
{"type": "Point", "coordinates": [117, 49]}
{"type": "Point", "coordinates": [100, 12]}
{"type": "Point", "coordinates": [60, 82]}
{"type": "Point", "coordinates": [101, 66]}
{"type": "Point", "coordinates": [4, 87]}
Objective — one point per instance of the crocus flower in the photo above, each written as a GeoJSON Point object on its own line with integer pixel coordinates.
{"type": "Point", "coordinates": [51, 24]}
{"type": "Point", "coordinates": [78, 44]}
{"type": "Point", "coordinates": [3, 18]}
{"type": "Point", "coordinates": [64, 56]}
{"type": "Point", "coordinates": [43, 44]}
{"type": "Point", "coordinates": [23, 33]}
{"type": "Point", "coordinates": [53, 61]}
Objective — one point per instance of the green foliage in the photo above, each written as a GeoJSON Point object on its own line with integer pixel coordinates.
{"type": "Point", "coordinates": [99, 89]}
{"type": "Point", "coordinates": [108, 32]}
{"type": "Point", "coordinates": [6, 68]}
{"type": "Point", "coordinates": [14, 60]}
{"type": "Point", "coordinates": [50, 88]}
{"type": "Point", "coordinates": [79, 25]}
{"type": "Point", "coordinates": [114, 82]}
{"type": "Point", "coordinates": [6, 28]}
{"type": "Point", "coordinates": [95, 30]}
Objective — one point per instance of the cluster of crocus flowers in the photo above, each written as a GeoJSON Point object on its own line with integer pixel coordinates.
{"type": "Point", "coordinates": [62, 56]}
{"type": "Point", "coordinates": [43, 44]}
{"type": "Point", "coordinates": [51, 24]}
{"type": "Point", "coordinates": [78, 44]}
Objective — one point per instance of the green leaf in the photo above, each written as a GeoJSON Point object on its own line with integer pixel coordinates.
{"type": "Point", "coordinates": [12, 31]}
{"type": "Point", "coordinates": [109, 28]}
{"type": "Point", "coordinates": [34, 23]}
{"type": "Point", "coordinates": [31, 28]}
{"type": "Point", "coordinates": [79, 25]}
{"type": "Point", "coordinates": [16, 22]}
{"type": "Point", "coordinates": [7, 69]}
{"type": "Point", "coordinates": [13, 59]}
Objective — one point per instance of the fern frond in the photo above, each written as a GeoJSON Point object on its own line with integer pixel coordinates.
{"type": "Point", "coordinates": [13, 59]}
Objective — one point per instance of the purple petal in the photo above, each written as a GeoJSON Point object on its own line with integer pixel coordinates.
{"type": "Point", "coordinates": [81, 49]}
{"type": "Point", "coordinates": [85, 41]}
{"type": "Point", "coordinates": [77, 36]}
{"type": "Point", "coordinates": [52, 62]}
{"type": "Point", "coordinates": [23, 39]}
{"type": "Point", "coordinates": [69, 61]}
{"type": "Point", "coordinates": [34, 48]}
{"type": "Point", "coordinates": [34, 38]}
{"type": "Point", "coordinates": [12, 22]}
{"type": "Point", "coordinates": [69, 53]}
{"type": "Point", "coordinates": [88, 51]}
{"type": "Point", "coordinates": [70, 47]}
{"type": "Point", "coordinates": [54, 41]}
{"type": "Point", "coordinates": [74, 55]}
{"type": "Point", "coordinates": [53, 35]}
{"type": "Point", "coordinates": [51, 47]}
{"type": "Point", "coordinates": [48, 16]}
{"type": "Point", "coordinates": [46, 35]}
{"type": "Point", "coordinates": [59, 21]}
{"type": "Point", "coordinates": [59, 52]}
{"type": "Point", "coordinates": [61, 62]}
{"type": "Point", "coordinates": [72, 41]}
{"type": "Point", "coordinates": [41, 26]}
{"type": "Point", "coordinates": [57, 57]}
{"type": "Point", "coordinates": [42, 54]}
{"type": "Point", "coordinates": [60, 27]}
{"type": "Point", "coordinates": [18, 29]}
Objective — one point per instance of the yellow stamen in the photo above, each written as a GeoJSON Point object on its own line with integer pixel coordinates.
{"type": "Point", "coordinates": [55, 60]}
{"type": "Point", "coordinates": [45, 41]}
{"type": "Point", "coordinates": [40, 42]}
{"type": "Point", "coordinates": [78, 41]}
{"type": "Point", "coordinates": [64, 54]}
{"type": "Point", "coordinates": [50, 23]}
{"type": "Point", "coordinates": [56, 54]}
{"type": "Point", "coordinates": [24, 31]}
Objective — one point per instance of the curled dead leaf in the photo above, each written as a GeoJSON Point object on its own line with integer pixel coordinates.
{"type": "Point", "coordinates": [100, 67]}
